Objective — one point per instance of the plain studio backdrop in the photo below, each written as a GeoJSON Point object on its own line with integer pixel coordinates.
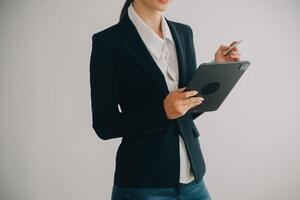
{"type": "Point", "coordinates": [48, 149]}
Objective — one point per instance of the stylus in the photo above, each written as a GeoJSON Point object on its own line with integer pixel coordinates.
{"type": "Point", "coordinates": [231, 47]}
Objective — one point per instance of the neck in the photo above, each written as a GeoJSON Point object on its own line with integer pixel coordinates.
{"type": "Point", "coordinates": [150, 16]}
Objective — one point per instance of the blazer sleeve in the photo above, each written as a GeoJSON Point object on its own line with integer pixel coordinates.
{"type": "Point", "coordinates": [192, 46]}
{"type": "Point", "coordinates": [107, 121]}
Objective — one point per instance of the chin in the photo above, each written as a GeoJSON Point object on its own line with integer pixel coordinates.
{"type": "Point", "coordinates": [161, 5]}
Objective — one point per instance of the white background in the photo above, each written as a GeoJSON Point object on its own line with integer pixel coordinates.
{"type": "Point", "coordinates": [48, 148]}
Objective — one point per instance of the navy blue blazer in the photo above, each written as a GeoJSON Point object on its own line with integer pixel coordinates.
{"type": "Point", "coordinates": [123, 72]}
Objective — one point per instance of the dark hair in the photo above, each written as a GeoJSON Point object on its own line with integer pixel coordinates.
{"type": "Point", "coordinates": [125, 8]}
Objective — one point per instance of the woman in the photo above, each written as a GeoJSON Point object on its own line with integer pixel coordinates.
{"type": "Point", "coordinates": [139, 68]}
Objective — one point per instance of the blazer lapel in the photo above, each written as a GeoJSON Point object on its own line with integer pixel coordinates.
{"type": "Point", "coordinates": [179, 51]}
{"type": "Point", "coordinates": [135, 46]}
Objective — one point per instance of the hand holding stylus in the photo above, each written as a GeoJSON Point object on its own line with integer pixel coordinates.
{"type": "Point", "coordinates": [228, 53]}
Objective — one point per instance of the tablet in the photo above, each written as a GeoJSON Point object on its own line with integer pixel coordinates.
{"type": "Point", "coordinates": [214, 81]}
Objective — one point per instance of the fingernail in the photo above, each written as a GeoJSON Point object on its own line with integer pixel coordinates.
{"type": "Point", "coordinates": [195, 92]}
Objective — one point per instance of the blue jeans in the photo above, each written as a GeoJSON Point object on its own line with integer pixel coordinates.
{"type": "Point", "coordinates": [189, 191]}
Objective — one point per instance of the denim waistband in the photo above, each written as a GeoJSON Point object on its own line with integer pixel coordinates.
{"type": "Point", "coordinates": [180, 186]}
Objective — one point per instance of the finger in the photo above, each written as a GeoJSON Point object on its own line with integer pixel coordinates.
{"type": "Point", "coordinates": [237, 55]}
{"type": "Point", "coordinates": [234, 53]}
{"type": "Point", "coordinates": [234, 49]}
{"type": "Point", "coordinates": [190, 100]}
{"type": "Point", "coordinates": [187, 107]}
{"type": "Point", "coordinates": [234, 59]}
{"type": "Point", "coordinates": [188, 94]}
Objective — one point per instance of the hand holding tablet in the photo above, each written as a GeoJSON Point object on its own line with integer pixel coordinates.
{"type": "Point", "coordinates": [214, 81]}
